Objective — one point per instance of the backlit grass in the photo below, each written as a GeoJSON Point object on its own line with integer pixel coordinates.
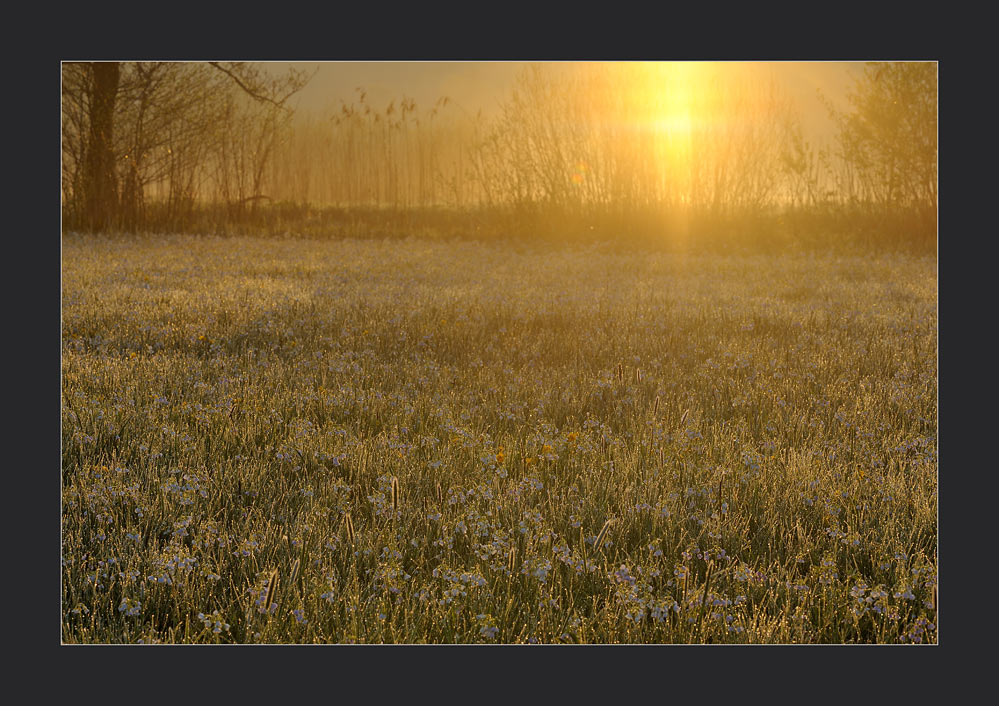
{"type": "Point", "coordinates": [428, 442]}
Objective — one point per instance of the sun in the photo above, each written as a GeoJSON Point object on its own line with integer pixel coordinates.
{"type": "Point", "coordinates": [673, 88]}
{"type": "Point", "coordinates": [678, 114]}
{"type": "Point", "coordinates": [670, 103]}
{"type": "Point", "coordinates": [667, 136]}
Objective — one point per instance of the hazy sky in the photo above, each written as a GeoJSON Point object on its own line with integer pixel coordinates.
{"type": "Point", "coordinates": [475, 85]}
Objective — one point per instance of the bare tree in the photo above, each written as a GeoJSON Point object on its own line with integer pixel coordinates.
{"type": "Point", "coordinates": [100, 188]}
{"type": "Point", "coordinates": [130, 126]}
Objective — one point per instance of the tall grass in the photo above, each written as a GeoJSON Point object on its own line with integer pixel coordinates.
{"type": "Point", "coordinates": [426, 442]}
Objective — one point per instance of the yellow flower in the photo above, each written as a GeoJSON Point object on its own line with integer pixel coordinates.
{"type": "Point", "coordinates": [572, 436]}
{"type": "Point", "coordinates": [529, 461]}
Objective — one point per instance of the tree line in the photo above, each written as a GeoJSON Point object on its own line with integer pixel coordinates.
{"type": "Point", "coordinates": [145, 143]}
{"type": "Point", "coordinates": [209, 146]}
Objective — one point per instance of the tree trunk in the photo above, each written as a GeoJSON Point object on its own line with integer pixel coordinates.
{"type": "Point", "coordinates": [100, 199]}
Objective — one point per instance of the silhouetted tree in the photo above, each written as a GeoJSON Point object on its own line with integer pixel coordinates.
{"type": "Point", "coordinates": [888, 138]}
{"type": "Point", "coordinates": [99, 184]}
{"type": "Point", "coordinates": [126, 125]}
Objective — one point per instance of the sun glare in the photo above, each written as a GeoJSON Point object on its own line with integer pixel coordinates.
{"type": "Point", "coordinates": [675, 126]}
{"type": "Point", "coordinates": [672, 87]}
{"type": "Point", "coordinates": [671, 103]}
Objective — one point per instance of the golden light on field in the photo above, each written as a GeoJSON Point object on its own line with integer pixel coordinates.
{"type": "Point", "coordinates": [635, 358]}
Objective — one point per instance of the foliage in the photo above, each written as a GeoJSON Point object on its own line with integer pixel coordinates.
{"type": "Point", "coordinates": [887, 140]}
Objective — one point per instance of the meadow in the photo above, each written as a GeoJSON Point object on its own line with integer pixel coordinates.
{"type": "Point", "coordinates": [419, 441]}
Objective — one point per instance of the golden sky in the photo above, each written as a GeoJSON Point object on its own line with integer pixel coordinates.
{"type": "Point", "coordinates": [475, 85]}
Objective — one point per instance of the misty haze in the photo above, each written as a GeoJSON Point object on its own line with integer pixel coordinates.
{"type": "Point", "coordinates": [525, 353]}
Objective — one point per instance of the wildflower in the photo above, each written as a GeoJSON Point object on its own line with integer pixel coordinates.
{"type": "Point", "coordinates": [130, 607]}
{"type": "Point", "coordinates": [214, 621]}
{"type": "Point", "coordinates": [623, 575]}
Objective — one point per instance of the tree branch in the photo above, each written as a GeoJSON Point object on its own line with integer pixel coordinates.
{"type": "Point", "coordinates": [250, 91]}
